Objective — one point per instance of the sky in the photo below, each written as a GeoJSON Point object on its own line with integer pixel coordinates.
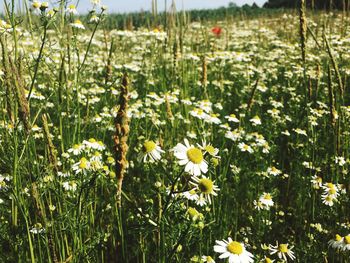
{"type": "Point", "coordinates": [136, 5]}
{"type": "Point", "coordinates": [122, 6]}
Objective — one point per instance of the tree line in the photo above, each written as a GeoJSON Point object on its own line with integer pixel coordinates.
{"type": "Point", "coordinates": [317, 4]}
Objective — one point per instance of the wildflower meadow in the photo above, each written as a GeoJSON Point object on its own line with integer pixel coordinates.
{"type": "Point", "coordinates": [220, 139]}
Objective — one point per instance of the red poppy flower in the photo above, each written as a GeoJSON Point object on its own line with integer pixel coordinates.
{"type": "Point", "coordinates": [216, 31]}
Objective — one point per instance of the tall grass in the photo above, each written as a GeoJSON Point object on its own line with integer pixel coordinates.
{"type": "Point", "coordinates": [93, 117]}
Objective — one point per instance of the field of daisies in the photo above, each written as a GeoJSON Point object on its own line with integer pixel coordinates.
{"type": "Point", "coordinates": [179, 141]}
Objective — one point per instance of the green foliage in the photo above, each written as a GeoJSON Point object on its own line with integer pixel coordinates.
{"type": "Point", "coordinates": [319, 4]}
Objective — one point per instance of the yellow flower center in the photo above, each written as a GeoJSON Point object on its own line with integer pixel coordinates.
{"type": "Point", "coordinates": [210, 149]}
{"type": "Point", "coordinates": [332, 191]}
{"type": "Point", "coordinates": [199, 111]}
{"type": "Point", "coordinates": [83, 163]}
{"type": "Point", "coordinates": [329, 198]}
{"type": "Point", "coordinates": [149, 146]}
{"type": "Point", "coordinates": [71, 7]}
{"type": "Point", "coordinates": [267, 197]}
{"type": "Point", "coordinates": [51, 12]}
{"type": "Point", "coordinates": [76, 146]}
{"type": "Point", "coordinates": [283, 248]}
{"type": "Point", "coordinates": [77, 22]}
{"type": "Point", "coordinates": [268, 260]}
{"type": "Point", "coordinates": [36, 5]}
{"type": "Point", "coordinates": [337, 237]}
{"type": "Point", "coordinates": [195, 155]}
{"type": "Point", "coordinates": [235, 247]}
{"type": "Point", "coordinates": [347, 239]}
{"type": "Point", "coordinates": [206, 186]}
{"type": "Point", "coordinates": [330, 186]}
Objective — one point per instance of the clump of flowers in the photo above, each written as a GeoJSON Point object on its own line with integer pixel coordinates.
{"type": "Point", "coordinates": [340, 243]}
{"type": "Point", "coordinates": [88, 158]}
{"type": "Point", "coordinates": [265, 202]}
{"type": "Point", "coordinates": [330, 194]}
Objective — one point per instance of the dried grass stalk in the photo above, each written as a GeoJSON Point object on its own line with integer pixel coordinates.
{"type": "Point", "coordinates": [121, 136]}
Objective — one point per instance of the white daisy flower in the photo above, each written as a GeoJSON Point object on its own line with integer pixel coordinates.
{"type": "Point", "coordinates": [72, 9]}
{"type": "Point", "coordinates": [330, 189]}
{"type": "Point", "coordinates": [255, 120]}
{"type": "Point", "coordinates": [76, 149]}
{"type": "Point", "coordinates": [234, 251]}
{"type": "Point", "coordinates": [199, 113]}
{"type": "Point", "coordinates": [191, 195]}
{"type": "Point", "coordinates": [201, 201]}
{"type": "Point", "coordinates": [234, 135]}
{"type": "Point", "coordinates": [300, 131]}
{"type": "Point", "coordinates": [212, 118]}
{"type": "Point", "coordinates": [245, 147]}
{"type": "Point", "coordinates": [150, 152]}
{"type": "Point", "coordinates": [346, 243]}
{"type": "Point", "coordinates": [283, 252]}
{"type": "Point", "coordinates": [337, 242]}
{"type": "Point", "coordinates": [70, 186]}
{"type": "Point", "coordinates": [93, 144]}
{"type": "Point", "coordinates": [340, 160]}
{"type": "Point", "coordinates": [82, 166]}
{"type": "Point", "coordinates": [232, 118]}
{"type": "Point", "coordinates": [37, 229]}
{"type": "Point", "coordinates": [78, 24]}
{"type": "Point", "coordinates": [328, 199]}
{"type": "Point", "coordinates": [266, 200]}
{"type": "Point", "coordinates": [94, 19]}
{"type": "Point", "coordinates": [36, 6]}
{"type": "Point", "coordinates": [192, 157]}
{"type": "Point", "coordinates": [208, 259]}
{"type": "Point", "coordinates": [258, 205]}
{"type": "Point", "coordinates": [286, 132]}
{"type": "Point", "coordinates": [206, 105]}
{"type": "Point", "coordinates": [205, 187]}
{"type": "Point", "coordinates": [316, 182]}
{"type": "Point", "coordinates": [208, 148]}
{"type": "Point", "coordinates": [273, 171]}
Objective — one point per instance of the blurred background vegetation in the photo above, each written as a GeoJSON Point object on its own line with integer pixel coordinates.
{"type": "Point", "coordinates": [152, 19]}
